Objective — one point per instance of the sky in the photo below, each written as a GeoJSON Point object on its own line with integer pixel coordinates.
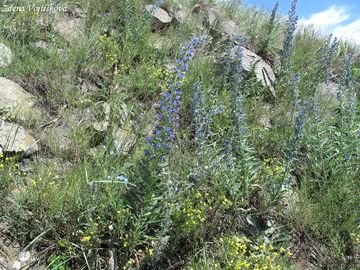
{"type": "Point", "coordinates": [340, 17]}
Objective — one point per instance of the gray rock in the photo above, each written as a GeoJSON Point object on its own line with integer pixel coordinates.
{"type": "Point", "coordinates": [162, 17]}
{"type": "Point", "coordinates": [24, 256]}
{"type": "Point", "coordinates": [103, 125]}
{"type": "Point", "coordinates": [58, 166]}
{"type": "Point", "coordinates": [16, 102]}
{"type": "Point", "coordinates": [87, 86]}
{"type": "Point", "coordinates": [124, 140]}
{"type": "Point", "coordinates": [201, 8]}
{"type": "Point", "coordinates": [41, 44]}
{"type": "Point", "coordinates": [180, 15]}
{"type": "Point", "coordinates": [158, 41]}
{"type": "Point", "coordinates": [14, 138]}
{"type": "Point", "coordinates": [42, 20]}
{"type": "Point", "coordinates": [264, 119]}
{"type": "Point", "coordinates": [16, 265]}
{"type": "Point", "coordinates": [210, 15]}
{"type": "Point", "coordinates": [229, 27]}
{"type": "Point", "coordinates": [329, 91]}
{"type": "Point", "coordinates": [69, 28]}
{"type": "Point", "coordinates": [58, 138]}
{"type": "Point", "coordinates": [5, 56]}
{"type": "Point", "coordinates": [263, 71]}
{"type": "Point", "coordinates": [12, 257]}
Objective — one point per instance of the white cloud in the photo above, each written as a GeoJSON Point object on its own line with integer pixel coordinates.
{"type": "Point", "coordinates": [329, 17]}
{"type": "Point", "coordinates": [350, 31]}
{"type": "Point", "coordinates": [334, 20]}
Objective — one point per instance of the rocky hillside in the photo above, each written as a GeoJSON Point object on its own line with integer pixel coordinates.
{"type": "Point", "coordinates": [175, 135]}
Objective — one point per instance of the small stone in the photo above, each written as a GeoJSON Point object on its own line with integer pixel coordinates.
{"type": "Point", "coordinates": [124, 140]}
{"type": "Point", "coordinates": [58, 138]}
{"type": "Point", "coordinates": [14, 138]}
{"type": "Point", "coordinates": [41, 44]}
{"type": "Point", "coordinates": [265, 120]}
{"type": "Point", "coordinates": [25, 165]}
{"type": "Point", "coordinates": [158, 41]}
{"type": "Point", "coordinates": [159, 13]}
{"type": "Point", "coordinates": [101, 126]}
{"type": "Point", "coordinates": [5, 56]}
{"type": "Point", "coordinates": [210, 15]}
{"type": "Point", "coordinates": [16, 103]}
{"type": "Point", "coordinates": [229, 27]}
{"type": "Point", "coordinates": [24, 256]}
{"type": "Point", "coordinates": [16, 265]}
{"type": "Point", "coordinates": [329, 90]}
{"type": "Point", "coordinates": [180, 15]}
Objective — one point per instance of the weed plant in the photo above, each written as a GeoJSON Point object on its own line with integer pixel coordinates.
{"type": "Point", "coordinates": [204, 185]}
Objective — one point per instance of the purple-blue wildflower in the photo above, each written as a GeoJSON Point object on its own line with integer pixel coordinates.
{"type": "Point", "coordinates": [289, 37]}
{"type": "Point", "coordinates": [295, 91]}
{"type": "Point", "coordinates": [345, 83]}
{"type": "Point", "coordinates": [299, 123]}
{"type": "Point", "coordinates": [162, 140]}
{"type": "Point", "coordinates": [328, 55]}
{"type": "Point", "coordinates": [202, 116]}
{"type": "Point", "coordinates": [237, 98]}
{"type": "Point", "coordinates": [270, 28]}
{"type": "Point", "coordinates": [348, 83]}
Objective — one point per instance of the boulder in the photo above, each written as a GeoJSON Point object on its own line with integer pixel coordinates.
{"type": "Point", "coordinates": [229, 27]}
{"type": "Point", "coordinates": [16, 103]}
{"type": "Point", "coordinates": [162, 16]}
{"type": "Point", "coordinates": [5, 56]}
{"type": "Point", "coordinates": [58, 138]}
{"type": "Point", "coordinates": [15, 139]}
{"type": "Point", "coordinates": [69, 28]}
{"type": "Point", "coordinates": [263, 71]}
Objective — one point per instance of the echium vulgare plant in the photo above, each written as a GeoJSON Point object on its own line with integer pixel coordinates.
{"type": "Point", "coordinates": [228, 59]}
{"type": "Point", "coordinates": [270, 29]}
{"type": "Point", "coordinates": [162, 141]}
{"type": "Point", "coordinates": [345, 83]}
{"type": "Point", "coordinates": [300, 114]}
{"type": "Point", "coordinates": [237, 98]}
{"type": "Point", "coordinates": [328, 56]}
{"type": "Point", "coordinates": [295, 91]}
{"type": "Point", "coordinates": [300, 110]}
{"type": "Point", "coordinates": [322, 74]}
{"type": "Point", "coordinates": [346, 88]}
{"type": "Point", "coordinates": [234, 85]}
{"type": "Point", "coordinates": [202, 115]}
{"type": "Point", "coordinates": [288, 45]}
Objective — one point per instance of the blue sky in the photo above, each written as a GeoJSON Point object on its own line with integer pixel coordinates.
{"type": "Point", "coordinates": [341, 17]}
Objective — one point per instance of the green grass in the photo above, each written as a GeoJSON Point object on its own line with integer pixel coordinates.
{"type": "Point", "coordinates": [191, 210]}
